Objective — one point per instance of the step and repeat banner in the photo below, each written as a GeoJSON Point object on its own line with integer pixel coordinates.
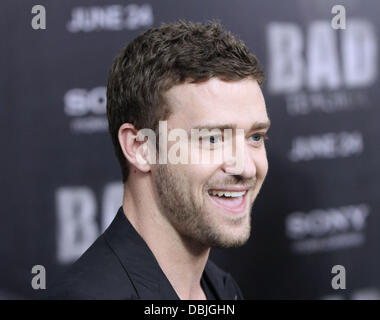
{"type": "Point", "coordinates": [318, 214]}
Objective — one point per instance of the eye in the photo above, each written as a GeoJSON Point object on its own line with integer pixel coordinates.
{"type": "Point", "coordinates": [211, 141]}
{"type": "Point", "coordinates": [214, 139]}
{"type": "Point", "coordinates": [259, 137]}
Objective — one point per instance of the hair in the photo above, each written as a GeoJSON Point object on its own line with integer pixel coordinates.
{"type": "Point", "coordinates": [160, 58]}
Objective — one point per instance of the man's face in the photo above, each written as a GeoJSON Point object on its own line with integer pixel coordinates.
{"type": "Point", "coordinates": [192, 196]}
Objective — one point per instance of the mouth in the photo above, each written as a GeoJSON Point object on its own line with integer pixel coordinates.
{"type": "Point", "coordinates": [232, 202]}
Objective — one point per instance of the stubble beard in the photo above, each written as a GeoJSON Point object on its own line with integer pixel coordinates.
{"type": "Point", "coordinates": [189, 217]}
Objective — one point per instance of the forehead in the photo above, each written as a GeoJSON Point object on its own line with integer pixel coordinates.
{"type": "Point", "coordinates": [216, 101]}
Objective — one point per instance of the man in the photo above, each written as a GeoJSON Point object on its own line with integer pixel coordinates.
{"type": "Point", "coordinates": [188, 77]}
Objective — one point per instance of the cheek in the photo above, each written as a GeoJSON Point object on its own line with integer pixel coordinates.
{"type": "Point", "coordinates": [194, 175]}
{"type": "Point", "coordinates": [199, 176]}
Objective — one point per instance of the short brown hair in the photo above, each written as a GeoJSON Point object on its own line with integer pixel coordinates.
{"type": "Point", "coordinates": [162, 57]}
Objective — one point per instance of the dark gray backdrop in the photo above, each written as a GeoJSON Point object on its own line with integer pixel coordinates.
{"type": "Point", "coordinates": [60, 182]}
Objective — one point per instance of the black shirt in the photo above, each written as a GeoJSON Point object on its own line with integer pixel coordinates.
{"type": "Point", "coordinates": [208, 289]}
{"type": "Point", "coordinates": [120, 265]}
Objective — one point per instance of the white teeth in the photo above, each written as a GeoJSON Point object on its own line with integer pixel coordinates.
{"type": "Point", "coordinates": [227, 193]}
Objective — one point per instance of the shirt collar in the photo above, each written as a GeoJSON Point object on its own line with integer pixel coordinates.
{"type": "Point", "coordinates": [141, 265]}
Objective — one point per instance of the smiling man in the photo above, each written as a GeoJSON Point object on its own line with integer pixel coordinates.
{"type": "Point", "coordinates": [192, 76]}
{"type": "Point", "coordinates": [209, 204]}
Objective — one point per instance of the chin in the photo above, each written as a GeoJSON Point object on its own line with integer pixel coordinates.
{"type": "Point", "coordinates": [236, 243]}
{"type": "Point", "coordinates": [230, 240]}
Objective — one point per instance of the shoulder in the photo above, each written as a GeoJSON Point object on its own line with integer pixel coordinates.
{"type": "Point", "coordinates": [97, 274]}
{"type": "Point", "coordinates": [224, 281]}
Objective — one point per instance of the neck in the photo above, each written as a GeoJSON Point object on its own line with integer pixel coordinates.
{"type": "Point", "coordinates": [181, 259]}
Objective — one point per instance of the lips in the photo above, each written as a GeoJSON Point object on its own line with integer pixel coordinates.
{"type": "Point", "coordinates": [231, 204]}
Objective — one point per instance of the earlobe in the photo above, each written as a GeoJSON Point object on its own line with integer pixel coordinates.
{"type": "Point", "coordinates": [134, 151]}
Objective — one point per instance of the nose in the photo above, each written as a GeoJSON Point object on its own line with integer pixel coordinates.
{"type": "Point", "coordinates": [242, 163]}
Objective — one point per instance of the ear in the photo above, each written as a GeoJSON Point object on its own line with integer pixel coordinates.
{"type": "Point", "coordinates": [136, 152]}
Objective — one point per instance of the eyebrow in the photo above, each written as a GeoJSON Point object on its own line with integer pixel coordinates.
{"type": "Point", "coordinates": [255, 126]}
